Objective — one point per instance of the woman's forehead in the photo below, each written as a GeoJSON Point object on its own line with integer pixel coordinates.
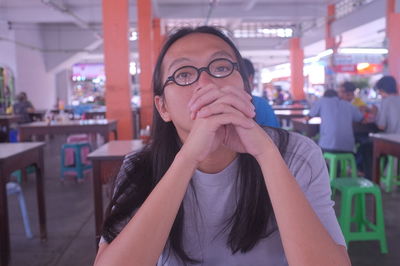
{"type": "Point", "coordinates": [197, 47]}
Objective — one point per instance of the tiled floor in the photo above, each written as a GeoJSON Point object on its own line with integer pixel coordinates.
{"type": "Point", "coordinates": [70, 223]}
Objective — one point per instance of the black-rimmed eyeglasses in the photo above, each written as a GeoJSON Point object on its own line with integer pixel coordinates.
{"type": "Point", "coordinates": [187, 75]}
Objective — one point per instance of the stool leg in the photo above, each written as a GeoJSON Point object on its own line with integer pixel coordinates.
{"type": "Point", "coordinates": [333, 168]}
{"type": "Point", "coordinates": [345, 216]}
{"type": "Point", "coordinates": [380, 224]}
{"type": "Point", "coordinates": [24, 214]}
{"type": "Point", "coordinates": [343, 168]}
{"type": "Point", "coordinates": [353, 168]}
{"type": "Point", "coordinates": [360, 212]}
{"type": "Point", "coordinates": [385, 166]}
{"type": "Point", "coordinates": [79, 164]}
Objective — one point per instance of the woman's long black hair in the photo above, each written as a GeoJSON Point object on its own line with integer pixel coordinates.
{"type": "Point", "coordinates": [249, 222]}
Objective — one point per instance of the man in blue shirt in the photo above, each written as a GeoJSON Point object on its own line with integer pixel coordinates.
{"type": "Point", "coordinates": [264, 113]}
{"type": "Point", "coordinates": [337, 117]}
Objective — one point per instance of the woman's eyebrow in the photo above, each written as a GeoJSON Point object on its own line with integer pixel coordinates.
{"type": "Point", "coordinates": [178, 60]}
{"type": "Point", "coordinates": [221, 53]}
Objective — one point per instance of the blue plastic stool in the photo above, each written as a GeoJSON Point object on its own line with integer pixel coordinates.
{"type": "Point", "coordinates": [14, 188]}
{"type": "Point", "coordinates": [79, 167]}
{"type": "Point", "coordinates": [18, 174]}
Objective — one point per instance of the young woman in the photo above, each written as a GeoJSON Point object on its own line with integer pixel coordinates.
{"type": "Point", "coordinates": [213, 187]}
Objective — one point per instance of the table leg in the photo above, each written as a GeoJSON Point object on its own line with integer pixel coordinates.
{"type": "Point", "coordinates": [40, 196]}
{"type": "Point", "coordinates": [106, 136]}
{"type": "Point", "coordinates": [375, 163]}
{"type": "Point", "coordinates": [98, 200]}
{"type": "Point", "coordinates": [4, 229]}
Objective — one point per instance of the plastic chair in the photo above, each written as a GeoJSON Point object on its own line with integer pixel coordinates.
{"type": "Point", "coordinates": [15, 188]}
{"type": "Point", "coordinates": [358, 188]}
{"type": "Point", "coordinates": [391, 177]}
{"type": "Point", "coordinates": [79, 164]}
{"type": "Point", "coordinates": [344, 160]}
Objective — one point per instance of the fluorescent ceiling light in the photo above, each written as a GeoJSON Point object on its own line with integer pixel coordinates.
{"type": "Point", "coordinates": [363, 51]}
{"type": "Point", "coordinates": [325, 53]}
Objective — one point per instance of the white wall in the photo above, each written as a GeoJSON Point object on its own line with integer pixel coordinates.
{"type": "Point", "coordinates": [31, 72]}
{"type": "Point", "coordinates": [66, 41]}
{"type": "Point", "coordinates": [7, 48]}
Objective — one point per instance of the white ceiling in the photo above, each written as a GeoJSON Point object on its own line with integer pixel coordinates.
{"type": "Point", "coordinates": [231, 12]}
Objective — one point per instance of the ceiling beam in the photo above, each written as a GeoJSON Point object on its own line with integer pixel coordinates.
{"type": "Point", "coordinates": [282, 11]}
{"type": "Point", "coordinates": [92, 14]}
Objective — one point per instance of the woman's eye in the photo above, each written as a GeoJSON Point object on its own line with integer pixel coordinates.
{"type": "Point", "coordinates": [222, 69]}
{"type": "Point", "coordinates": [183, 75]}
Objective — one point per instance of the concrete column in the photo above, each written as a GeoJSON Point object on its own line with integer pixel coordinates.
{"type": "Point", "coordinates": [116, 63]}
{"type": "Point", "coordinates": [296, 69]}
{"type": "Point", "coordinates": [144, 19]}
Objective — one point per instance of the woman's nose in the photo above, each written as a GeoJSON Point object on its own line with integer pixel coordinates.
{"type": "Point", "coordinates": [205, 79]}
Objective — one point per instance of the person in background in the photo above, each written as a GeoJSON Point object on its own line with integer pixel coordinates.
{"type": "Point", "coordinates": [212, 187]}
{"type": "Point", "coordinates": [264, 113]}
{"type": "Point", "coordinates": [337, 116]}
{"type": "Point", "coordinates": [23, 107]}
{"type": "Point", "coordinates": [279, 99]}
{"type": "Point", "coordinates": [388, 116]}
{"type": "Point", "coordinates": [364, 152]}
{"type": "Point", "coordinates": [346, 92]}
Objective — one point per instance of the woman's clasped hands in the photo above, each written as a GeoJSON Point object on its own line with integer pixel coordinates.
{"type": "Point", "coordinates": [223, 116]}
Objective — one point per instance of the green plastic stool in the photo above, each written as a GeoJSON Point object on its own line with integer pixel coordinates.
{"type": "Point", "coordinates": [345, 160]}
{"type": "Point", "coordinates": [365, 229]}
{"type": "Point", "coordinates": [390, 178]}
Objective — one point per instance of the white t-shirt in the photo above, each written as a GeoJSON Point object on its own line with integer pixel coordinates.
{"type": "Point", "coordinates": [216, 201]}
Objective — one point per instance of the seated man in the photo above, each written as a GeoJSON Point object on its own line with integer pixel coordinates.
{"type": "Point", "coordinates": [388, 117]}
{"type": "Point", "coordinates": [264, 113]}
{"type": "Point", "coordinates": [23, 107]}
{"type": "Point", "coordinates": [337, 117]}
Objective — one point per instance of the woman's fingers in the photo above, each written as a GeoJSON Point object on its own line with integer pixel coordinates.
{"type": "Point", "coordinates": [199, 92]}
{"type": "Point", "coordinates": [221, 104]}
{"type": "Point", "coordinates": [209, 94]}
{"type": "Point", "coordinates": [231, 118]}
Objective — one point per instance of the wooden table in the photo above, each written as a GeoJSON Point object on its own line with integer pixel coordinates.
{"type": "Point", "coordinates": [18, 156]}
{"type": "Point", "coordinates": [93, 114]}
{"type": "Point", "coordinates": [41, 128]}
{"type": "Point", "coordinates": [290, 107]}
{"type": "Point", "coordinates": [37, 115]}
{"type": "Point", "coordinates": [5, 122]}
{"type": "Point", "coordinates": [107, 161]}
{"type": "Point", "coordinates": [384, 144]}
{"type": "Point", "coordinates": [288, 115]}
{"type": "Point", "coordinates": [310, 128]}
{"type": "Point", "coordinates": [101, 113]}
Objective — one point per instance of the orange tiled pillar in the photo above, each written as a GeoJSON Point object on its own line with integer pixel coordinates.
{"type": "Point", "coordinates": [329, 39]}
{"type": "Point", "coordinates": [330, 79]}
{"type": "Point", "coordinates": [157, 38]}
{"type": "Point", "coordinates": [393, 36]}
{"type": "Point", "coordinates": [144, 20]}
{"type": "Point", "coordinates": [116, 61]}
{"type": "Point", "coordinates": [296, 69]}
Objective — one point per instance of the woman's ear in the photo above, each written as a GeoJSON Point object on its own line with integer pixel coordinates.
{"type": "Point", "coordinates": [162, 109]}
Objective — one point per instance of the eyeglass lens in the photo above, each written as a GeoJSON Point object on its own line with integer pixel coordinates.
{"type": "Point", "coordinates": [218, 68]}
